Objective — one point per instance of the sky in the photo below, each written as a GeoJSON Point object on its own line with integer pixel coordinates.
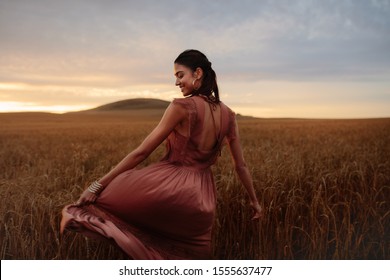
{"type": "Point", "coordinates": [279, 58]}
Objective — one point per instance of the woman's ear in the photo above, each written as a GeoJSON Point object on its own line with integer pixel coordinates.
{"type": "Point", "coordinates": [198, 74]}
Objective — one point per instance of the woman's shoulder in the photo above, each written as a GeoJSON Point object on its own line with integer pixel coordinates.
{"type": "Point", "coordinates": [190, 104]}
{"type": "Point", "coordinates": [183, 101]}
{"type": "Point", "coordinates": [187, 103]}
{"type": "Point", "coordinates": [228, 109]}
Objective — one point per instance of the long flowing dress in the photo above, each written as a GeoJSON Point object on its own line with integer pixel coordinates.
{"type": "Point", "coordinates": [165, 210]}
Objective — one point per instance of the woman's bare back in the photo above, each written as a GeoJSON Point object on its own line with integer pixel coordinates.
{"type": "Point", "coordinates": [211, 127]}
{"type": "Point", "coordinates": [212, 121]}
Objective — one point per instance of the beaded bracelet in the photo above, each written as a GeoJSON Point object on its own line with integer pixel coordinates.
{"type": "Point", "coordinates": [95, 187]}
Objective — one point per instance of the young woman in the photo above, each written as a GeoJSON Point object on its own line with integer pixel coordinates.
{"type": "Point", "coordinates": [166, 210]}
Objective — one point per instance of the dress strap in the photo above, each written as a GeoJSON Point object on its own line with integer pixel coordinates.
{"type": "Point", "coordinates": [213, 106]}
{"type": "Point", "coordinates": [215, 126]}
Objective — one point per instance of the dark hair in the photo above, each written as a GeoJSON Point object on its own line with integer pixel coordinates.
{"type": "Point", "coordinates": [194, 59]}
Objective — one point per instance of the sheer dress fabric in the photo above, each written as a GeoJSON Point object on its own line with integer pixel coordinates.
{"type": "Point", "coordinates": [165, 210]}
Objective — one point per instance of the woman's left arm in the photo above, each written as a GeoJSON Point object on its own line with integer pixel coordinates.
{"type": "Point", "coordinates": [173, 115]}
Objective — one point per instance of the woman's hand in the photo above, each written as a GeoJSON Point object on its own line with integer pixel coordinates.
{"type": "Point", "coordinates": [86, 198]}
{"type": "Point", "coordinates": [258, 211]}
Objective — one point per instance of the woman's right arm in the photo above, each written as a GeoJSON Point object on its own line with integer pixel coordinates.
{"type": "Point", "coordinates": [173, 115]}
{"type": "Point", "coordinates": [243, 172]}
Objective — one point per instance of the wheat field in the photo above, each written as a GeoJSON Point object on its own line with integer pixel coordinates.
{"type": "Point", "coordinates": [324, 184]}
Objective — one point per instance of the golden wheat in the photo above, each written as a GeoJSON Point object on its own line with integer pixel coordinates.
{"type": "Point", "coordinates": [325, 186]}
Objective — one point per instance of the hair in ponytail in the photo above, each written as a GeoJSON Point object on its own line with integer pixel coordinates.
{"type": "Point", "coordinates": [194, 59]}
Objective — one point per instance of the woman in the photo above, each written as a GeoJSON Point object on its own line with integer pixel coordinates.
{"type": "Point", "coordinates": [166, 210]}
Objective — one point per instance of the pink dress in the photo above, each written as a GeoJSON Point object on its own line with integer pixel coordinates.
{"type": "Point", "coordinates": [165, 210]}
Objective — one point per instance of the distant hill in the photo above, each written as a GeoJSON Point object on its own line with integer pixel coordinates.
{"type": "Point", "coordinates": [136, 107]}
{"type": "Point", "coordinates": [132, 104]}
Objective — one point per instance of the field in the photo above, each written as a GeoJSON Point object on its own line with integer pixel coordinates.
{"type": "Point", "coordinates": [324, 184]}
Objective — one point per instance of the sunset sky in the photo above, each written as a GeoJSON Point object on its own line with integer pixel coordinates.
{"type": "Point", "coordinates": [279, 58]}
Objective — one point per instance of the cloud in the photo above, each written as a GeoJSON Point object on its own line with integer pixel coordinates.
{"type": "Point", "coordinates": [250, 39]}
{"type": "Point", "coordinates": [68, 50]}
{"type": "Point", "coordinates": [313, 40]}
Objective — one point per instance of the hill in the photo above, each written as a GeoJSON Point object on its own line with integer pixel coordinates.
{"type": "Point", "coordinates": [137, 107]}
{"type": "Point", "coordinates": [132, 104]}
